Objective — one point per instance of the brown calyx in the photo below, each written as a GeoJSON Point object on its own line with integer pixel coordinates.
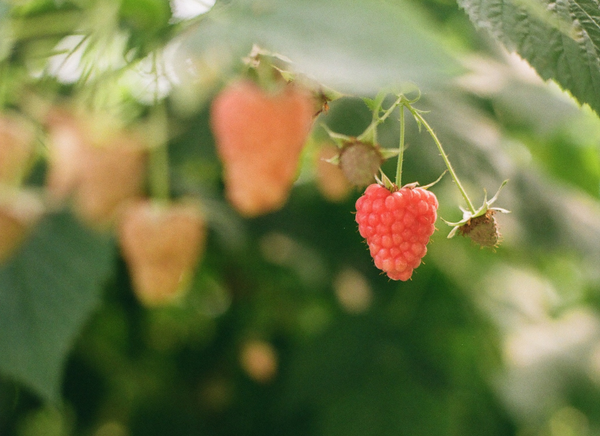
{"type": "Point", "coordinates": [360, 162]}
{"type": "Point", "coordinates": [483, 230]}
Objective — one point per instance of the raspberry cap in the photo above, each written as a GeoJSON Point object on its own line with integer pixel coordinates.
{"type": "Point", "coordinates": [397, 226]}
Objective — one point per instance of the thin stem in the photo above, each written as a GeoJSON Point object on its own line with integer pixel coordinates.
{"type": "Point", "coordinates": [159, 154]}
{"type": "Point", "coordinates": [378, 103]}
{"type": "Point", "coordinates": [371, 129]}
{"type": "Point", "coordinates": [159, 172]}
{"type": "Point", "coordinates": [421, 120]}
{"type": "Point", "coordinates": [400, 148]}
{"type": "Point", "coordinates": [3, 84]}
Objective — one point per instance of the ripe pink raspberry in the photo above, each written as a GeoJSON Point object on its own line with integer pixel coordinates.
{"type": "Point", "coordinates": [397, 226]}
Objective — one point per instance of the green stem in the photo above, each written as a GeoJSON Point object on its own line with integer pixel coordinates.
{"type": "Point", "coordinates": [3, 84]}
{"type": "Point", "coordinates": [159, 154]}
{"type": "Point", "coordinates": [400, 148]}
{"type": "Point", "coordinates": [159, 172]}
{"type": "Point", "coordinates": [378, 102]}
{"type": "Point", "coordinates": [371, 129]}
{"type": "Point", "coordinates": [421, 120]}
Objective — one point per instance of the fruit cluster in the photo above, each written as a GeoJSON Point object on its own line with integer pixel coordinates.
{"type": "Point", "coordinates": [100, 167]}
{"type": "Point", "coordinates": [99, 170]}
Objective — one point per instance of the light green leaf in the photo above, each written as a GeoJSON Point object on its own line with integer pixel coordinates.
{"type": "Point", "coordinates": [47, 291]}
{"type": "Point", "coordinates": [5, 36]}
{"type": "Point", "coordinates": [560, 39]}
{"type": "Point", "coordinates": [354, 46]}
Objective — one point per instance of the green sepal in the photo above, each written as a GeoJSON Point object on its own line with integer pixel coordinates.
{"type": "Point", "coordinates": [468, 215]}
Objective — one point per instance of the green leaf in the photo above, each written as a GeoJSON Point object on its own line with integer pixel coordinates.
{"type": "Point", "coordinates": [47, 291]}
{"type": "Point", "coordinates": [353, 46]}
{"type": "Point", "coordinates": [5, 36]}
{"type": "Point", "coordinates": [560, 39]}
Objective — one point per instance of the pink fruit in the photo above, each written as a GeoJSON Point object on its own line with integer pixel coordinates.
{"type": "Point", "coordinates": [161, 245]}
{"type": "Point", "coordinates": [97, 166]}
{"type": "Point", "coordinates": [397, 226]}
{"type": "Point", "coordinates": [259, 137]}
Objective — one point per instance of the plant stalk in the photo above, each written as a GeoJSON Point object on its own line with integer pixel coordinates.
{"type": "Point", "coordinates": [371, 129]}
{"type": "Point", "coordinates": [159, 154]}
{"type": "Point", "coordinates": [421, 120]}
{"type": "Point", "coordinates": [159, 172]}
{"type": "Point", "coordinates": [400, 148]}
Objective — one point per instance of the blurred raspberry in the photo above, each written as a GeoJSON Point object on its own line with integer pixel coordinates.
{"type": "Point", "coordinates": [19, 211]}
{"type": "Point", "coordinates": [161, 245]}
{"type": "Point", "coordinates": [16, 148]}
{"type": "Point", "coordinates": [99, 166]}
{"type": "Point", "coordinates": [331, 181]}
{"type": "Point", "coordinates": [259, 137]}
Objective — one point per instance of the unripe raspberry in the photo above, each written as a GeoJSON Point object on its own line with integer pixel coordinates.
{"type": "Point", "coordinates": [161, 245]}
{"type": "Point", "coordinates": [98, 166]}
{"type": "Point", "coordinates": [259, 137]}
{"type": "Point", "coordinates": [397, 226]}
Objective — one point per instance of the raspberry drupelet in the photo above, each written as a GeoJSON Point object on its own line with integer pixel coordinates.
{"type": "Point", "coordinates": [397, 226]}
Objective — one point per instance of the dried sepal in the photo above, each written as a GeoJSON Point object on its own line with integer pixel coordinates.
{"type": "Point", "coordinates": [360, 162]}
{"type": "Point", "coordinates": [481, 225]}
{"type": "Point", "coordinates": [483, 230]}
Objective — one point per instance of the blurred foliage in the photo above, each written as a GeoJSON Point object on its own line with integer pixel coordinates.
{"type": "Point", "coordinates": [42, 313]}
{"type": "Point", "coordinates": [478, 342]}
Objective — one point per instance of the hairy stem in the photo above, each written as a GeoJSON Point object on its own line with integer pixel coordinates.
{"type": "Point", "coordinates": [422, 121]}
{"type": "Point", "coordinates": [369, 133]}
{"type": "Point", "coordinates": [400, 148]}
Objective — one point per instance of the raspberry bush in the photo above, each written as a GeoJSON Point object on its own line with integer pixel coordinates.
{"type": "Point", "coordinates": [214, 219]}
